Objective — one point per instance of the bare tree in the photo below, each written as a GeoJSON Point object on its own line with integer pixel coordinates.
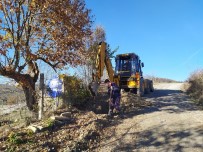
{"type": "Point", "coordinates": [99, 35]}
{"type": "Point", "coordinates": [86, 70]}
{"type": "Point", "coordinates": [34, 30]}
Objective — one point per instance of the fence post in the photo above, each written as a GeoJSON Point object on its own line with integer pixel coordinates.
{"type": "Point", "coordinates": [41, 101]}
{"type": "Point", "coordinates": [62, 77]}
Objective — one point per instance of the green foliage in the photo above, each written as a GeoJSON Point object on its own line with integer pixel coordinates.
{"type": "Point", "coordinates": [14, 138]}
{"type": "Point", "coordinates": [195, 88]}
{"type": "Point", "coordinates": [11, 149]}
{"type": "Point", "coordinates": [111, 52]}
{"type": "Point", "coordinates": [30, 133]}
{"type": "Point", "coordinates": [50, 123]}
{"type": "Point", "coordinates": [75, 91]}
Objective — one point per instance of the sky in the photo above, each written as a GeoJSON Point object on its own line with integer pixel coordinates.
{"type": "Point", "coordinates": [166, 34]}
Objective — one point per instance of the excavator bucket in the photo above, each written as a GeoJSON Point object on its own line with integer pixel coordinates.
{"type": "Point", "coordinates": [93, 87]}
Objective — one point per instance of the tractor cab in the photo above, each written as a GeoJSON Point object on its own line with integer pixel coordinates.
{"type": "Point", "coordinates": [128, 68]}
{"type": "Point", "coordinates": [128, 64]}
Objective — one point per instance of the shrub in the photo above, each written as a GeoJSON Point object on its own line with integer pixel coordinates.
{"type": "Point", "coordinates": [195, 89]}
{"type": "Point", "coordinates": [76, 93]}
{"type": "Point", "coordinates": [14, 138]}
{"type": "Point", "coordinates": [49, 123]}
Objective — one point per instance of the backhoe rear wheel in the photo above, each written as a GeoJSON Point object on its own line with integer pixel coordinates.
{"type": "Point", "coordinates": [151, 86]}
{"type": "Point", "coordinates": [147, 86]}
{"type": "Point", "coordinates": [140, 90]}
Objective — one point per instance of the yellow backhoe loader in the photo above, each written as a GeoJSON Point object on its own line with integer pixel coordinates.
{"type": "Point", "coordinates": [128, 73]}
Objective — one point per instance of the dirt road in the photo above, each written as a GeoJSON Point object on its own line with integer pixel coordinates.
{"type": "Point", "coordinates": [172, 123]}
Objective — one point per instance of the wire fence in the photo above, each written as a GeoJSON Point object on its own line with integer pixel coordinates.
{"type": "Point", "coordinates": [6, 109]}
{"type": "Point", "coordinates": [13, 109]}
{"type": "Point", "coordinates": [14, 112]}
{"type": "Point", "coordinates": [11, 98]}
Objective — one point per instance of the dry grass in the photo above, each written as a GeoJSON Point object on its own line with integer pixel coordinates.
{"type": "Point", "coordinates": [11, 95]}
{"type": "Point", "coordinates": [195, 89]}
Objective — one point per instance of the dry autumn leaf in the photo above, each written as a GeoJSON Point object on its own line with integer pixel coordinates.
{"type": "Point", "coordinates": [35, 30]}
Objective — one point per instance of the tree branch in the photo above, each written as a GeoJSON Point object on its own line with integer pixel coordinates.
{"type": "Point", "coordinates": [11, 29]}
{"type": "Point", "coordinates": [17, 51]}
{"type": "Point", "coordinates": [20, 68]}
{"type": "Point", "coordinates": [49, 63]}
{"type": "Point", "coordinates": [25, 19]}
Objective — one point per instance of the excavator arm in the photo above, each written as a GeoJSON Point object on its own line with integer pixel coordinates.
{"type": "Point", "coordinates": [102, 60]}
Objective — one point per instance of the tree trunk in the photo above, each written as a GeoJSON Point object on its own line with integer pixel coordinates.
{"type": "Point", "coordinates": [31, 98]}
{"type": "Point", "coordinates": [27, 81]}
{"type": "Point", "coordinates": [29, 86]}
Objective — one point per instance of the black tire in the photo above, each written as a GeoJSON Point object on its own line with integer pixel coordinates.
{"type": "Point", "coordinates": [140, 90]}
{"type": "Point", "coordinates": [151, 86]}
{"type": "Point", "coordinates": [133, 91]}
{"type": "Point", "coordinates": [147, 87]}
{"type": "Point", "coordinates": [126, 89]}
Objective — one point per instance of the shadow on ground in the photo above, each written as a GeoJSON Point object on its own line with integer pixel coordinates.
{"type": "Point", "coordinates": [167, 141]}
{"type": "Point", "coordinates": [170, 101]}
{"type": "Point", "coordinates": [176, 99]}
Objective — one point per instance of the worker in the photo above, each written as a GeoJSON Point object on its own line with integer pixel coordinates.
{"type": "Point", "coordinates": [115, 96]}
{"type": "Point", "coordinates": [126, 65]}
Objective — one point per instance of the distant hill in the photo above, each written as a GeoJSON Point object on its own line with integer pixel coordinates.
{"type": "Point", "coordinates": [160, 80]}
{"type": "Point", "coordinates": [9, 94]}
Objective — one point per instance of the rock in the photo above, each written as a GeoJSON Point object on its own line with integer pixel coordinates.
{"type": "Point", "coordinates": [39, 127]}
{"type": "Point", "coordinates": [16, 120]}
{"type": "Point", "coordinates": [33, 128]}
{"type": "Point", "coordinates": [66, 114]}
{"type": "Point", "coordinates": [60, 118]}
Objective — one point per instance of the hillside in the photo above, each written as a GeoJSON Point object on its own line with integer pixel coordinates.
{"type": "Point", "coordinates": [160, 80]}
{"type": "Point", "coordinates": [9, 94]}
